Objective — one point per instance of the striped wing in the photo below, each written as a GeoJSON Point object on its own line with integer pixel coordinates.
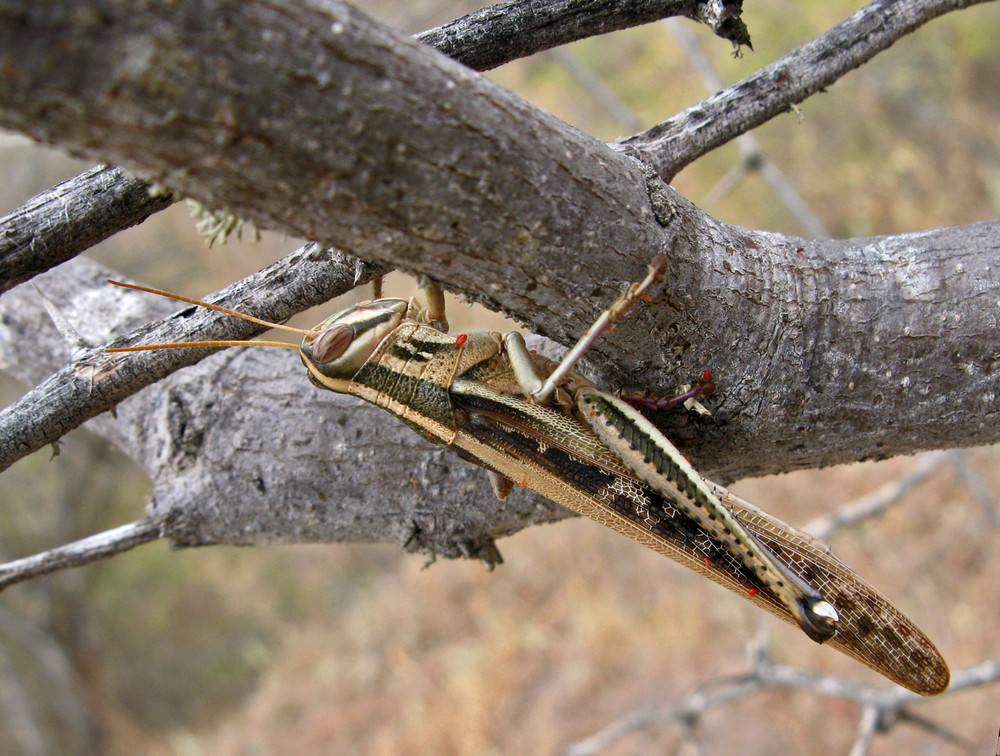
{"type": "Point", "coordinates": [563, 460]}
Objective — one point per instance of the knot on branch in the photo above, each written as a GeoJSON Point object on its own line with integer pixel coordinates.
{"type": "Point", "coordinates": [660, 198]}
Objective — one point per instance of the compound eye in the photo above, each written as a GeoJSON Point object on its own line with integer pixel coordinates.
{"type": "Point", "coordinates": [332, 343]}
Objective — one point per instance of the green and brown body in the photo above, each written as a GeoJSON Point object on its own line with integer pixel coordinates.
{"type": "Point", "coordinates": [531, 421]}
{"type": "Point", "coordinates": [592, 453]}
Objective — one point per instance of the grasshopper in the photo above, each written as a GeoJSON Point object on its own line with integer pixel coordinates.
{"type": "Point", "coordinates": [530, 420]}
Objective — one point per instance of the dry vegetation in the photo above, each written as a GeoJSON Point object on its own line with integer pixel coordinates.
{"type": "Point", "coordinates": [361, 650]}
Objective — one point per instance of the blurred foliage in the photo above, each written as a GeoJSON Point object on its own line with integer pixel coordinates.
{"type": "Point", "coordinates": [209, 642]}
{"type": "Point", "coordinates": [357, 649]}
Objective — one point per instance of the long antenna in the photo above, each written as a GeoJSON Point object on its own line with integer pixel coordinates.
{"type": "Point", "coordinates": [205, 344]}
{"type": "Point", "coordinates": [217, 308]}
{"type": "Point", "coordinates": [198, 302]}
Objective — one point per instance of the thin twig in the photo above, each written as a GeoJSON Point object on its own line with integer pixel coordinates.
{"type": "Point", "coordinates": [750, 148]}
{"type": "Point", "coordinates": [86, 550]}
{"type": "Point", "coordinates": [976, 485]}
{"type": "Point", "coordinates": [504, 32]}
{"type": "Point", "coordinates": [18, 720]}
{"type": "Point", "coordinates": [73, 216]}
{"type": "Point", "coordinates": [868, 727]}
{"type": "Point", "coordinates": [788, 81]}
{"type": "Point", "coordinates": [879, 500]}
{"type": "Point", "coordinates": [597, 89]}
{"type": "Point", "coordinates": [923, 723]}
{"type": "Point", "coordinates": [690, 707]}
{"type": "Point", "coordinates": [881, 708]}
{"type": "Point", "coordinates": [62, 684]}
{"type": "Point", "coordinates": [73, 395]}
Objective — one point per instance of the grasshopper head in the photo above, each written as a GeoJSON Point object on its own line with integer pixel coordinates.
{"type": "Point", "coordinates": [333, 351]}
{"type": "Point", "coordinates": [336, 349]}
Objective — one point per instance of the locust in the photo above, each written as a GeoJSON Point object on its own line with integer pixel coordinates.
{"type": "Point", "coordinates": [539, 423]}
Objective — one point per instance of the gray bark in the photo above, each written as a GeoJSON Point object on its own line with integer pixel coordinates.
{"type": "Point", "coordinates": [243, 449]}
{"type": "Point", "coordinates": [506, 31]}
{"type": "Point", "coordinates": [59, 224]}
{"type": "Point", "coordinates": [318, 121]}
{"type": "Point", "coordinates": [78, 213]}
{"type": "Point", "coordinates": [326, 125]}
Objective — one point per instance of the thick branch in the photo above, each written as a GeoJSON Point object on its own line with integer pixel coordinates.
{"type": "Point", "coordinates": [82, 211]}
{"type": "Point", "coordinates": [241, 448]}
{"type": "Point", "coordinates": [797, 379]}
{"type": "Point", "coordinates": [347, 129]}
{"type": "Point", "coordinates": [670, 146]}
{"type": "Point", "coordinates": [363, 139]}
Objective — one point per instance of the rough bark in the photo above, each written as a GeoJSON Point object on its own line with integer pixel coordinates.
{"type": "Point", "coordinates": [504, 32]}
{"type": "Point", "coordinates": [243, 449]}
{"type": "Point", "coordinates": [94, 382]}
{"type": "Point", "coordinates": [59, 224]}
{"type": "Point", "coordinates": [364, 140]}
{"type": "Point", "coordinates": [824, 351]}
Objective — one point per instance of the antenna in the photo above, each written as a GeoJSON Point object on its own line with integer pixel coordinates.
{"type": "Point", "coordinates": [217, 308]}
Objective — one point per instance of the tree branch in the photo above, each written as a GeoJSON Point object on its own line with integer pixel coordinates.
{"type": "Point", "coordinates": [477, 40]}
{"type": "Point", "coordinates": [880, 708]}
{"type": "Point", "coordinates": [753, 156]}
{"type": "Point", "coordinates": [365, 140]}
{"type": "Point", "coordinates": [507, 31]}
{"type": "Point", "coordinates": [95, 382]}
{"type": "Point", "coordinates": [81, 552]}
{"type": "Point", "coordinates": [75, 215]}
{"type": "Point", "coordinates": [775, 88]}
{"type": "Point", "coordinates": [84, 210]}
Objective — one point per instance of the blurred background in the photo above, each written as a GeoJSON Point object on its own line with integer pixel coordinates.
{"type": "Point", "coordinates": [363, 649]}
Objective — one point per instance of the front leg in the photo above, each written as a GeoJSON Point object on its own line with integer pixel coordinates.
{"type": "Point", "coordinates": [434, 296]}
